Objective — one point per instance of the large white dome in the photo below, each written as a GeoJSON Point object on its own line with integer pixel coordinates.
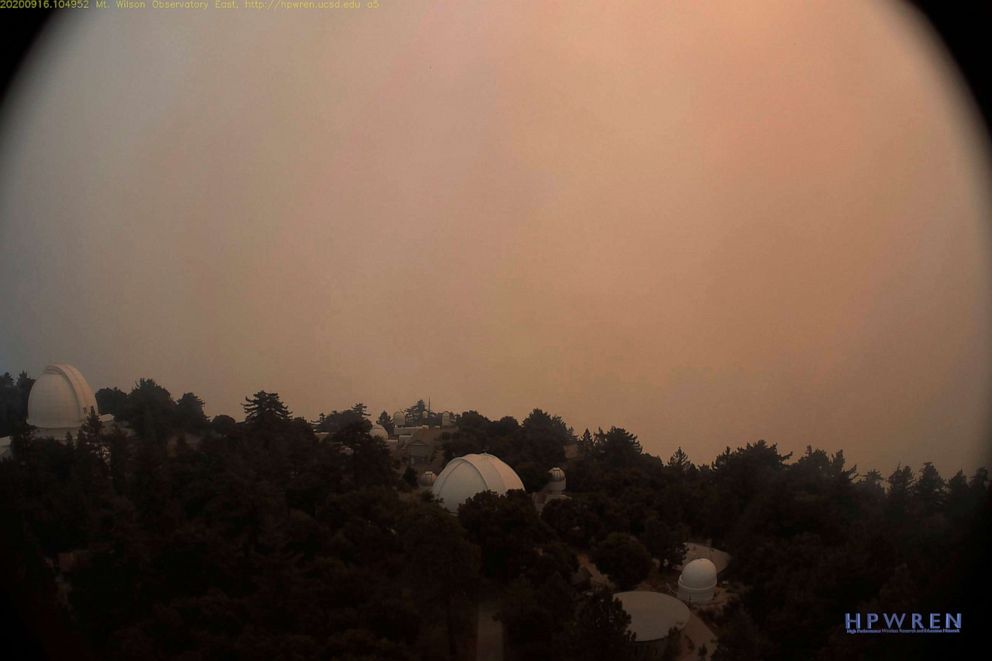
{"type": "Point", "coordinates": [60, 400]}
{"type": "Point", "coordinates": [698, 581]}
{"type": "Point", "coordinates": [466, 476]}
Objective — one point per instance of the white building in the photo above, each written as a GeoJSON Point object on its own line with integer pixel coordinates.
{"type": "Point", "coordinates": [426, 480]}
{"type": "Point", "coordinates": [471, 474]}
{"type": "Point", "coordinates": [698, 581]}
{"type": "Point", "coordinates": [553, 490]}
{"type": "Point", "coordinates": [58, 404]}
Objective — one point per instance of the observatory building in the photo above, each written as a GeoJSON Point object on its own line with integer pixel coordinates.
{"type": "Point", "coordinates": [426, 480]}
{"type": "Point", "coordinates": [697, 581]}
{"type": "Point", "coordinates": [58, 404]}
{"type": "Point", "coordinates": [553, 490]}
{"type": "Point", "coordinates": [463, 477]}
{"type": "Point", "coordinates": [417, 441]}
{"type": "Point", "coordinates": [652, 618]}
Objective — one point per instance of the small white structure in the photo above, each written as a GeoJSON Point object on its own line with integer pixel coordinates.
{"type": "Point", "coordinates": [553, 490]}
{"type": "Point", "coordinates": [698, 581]}
{"type": "Point", "coordinates": [427, 479]}
{"type": "Point", "coordinates": [378, 431]}
{"type": "Point", "coordinates": [466, 476]}
{"type": "Point", "coordinates": [399, 419]}
{"type": "Point", "coordinates": [446, 419]}
{"type": "Point", "coordinates": [653, 615]}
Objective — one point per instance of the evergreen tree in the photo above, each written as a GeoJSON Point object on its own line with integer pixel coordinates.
{"type": "Point", "coordinates": [189, 413]}
{"type": "Point", "coordinates": [601, 631]}
{"type": "Point", "coordinates": [679, 461]}
{"type": "Point", "coordinates": [386, 421]}
{"type": "Point", "coordinates": [111, 401]}
{"type": "Point", "coordinates": [265, 411]}
{"type": "Point", "coordinates": [623, 559]}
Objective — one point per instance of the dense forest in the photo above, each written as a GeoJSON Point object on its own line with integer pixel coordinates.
{"type": "Point", "coordinates": [176, 536]}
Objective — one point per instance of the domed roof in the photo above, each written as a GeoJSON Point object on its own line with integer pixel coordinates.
{"type": "Point", "coordinates": [378, 431]}
{"type": "Point", "coordinates": [557, 474]}
{"type": "Point", "coordinates": [427, 478]}
{"type": "Point", "coordinates": [652, 614]}
{"type": "Point", "coordinates": [466, 476]}
{"type": "Point", "coordinates": [60, 399]}
{"type": "Point", "coordinates": [700, 574]}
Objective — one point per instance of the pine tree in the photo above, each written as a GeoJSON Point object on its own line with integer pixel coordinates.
{"type": "Point", "coordinates": [264, 410]}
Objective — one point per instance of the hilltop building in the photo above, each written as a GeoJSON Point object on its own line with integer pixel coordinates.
{"type": "Point", "coordinates": [418, 443]}
{"type": "Point", "coordinates": [553, 490]}
{"type": "Point", "coordinates": [58, 404]}
{"type": "Point", "coordinates": [697, 581]}
{"type": "Point", "coordinates": [471, 474]}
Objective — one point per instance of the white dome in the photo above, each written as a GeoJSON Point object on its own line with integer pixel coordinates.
{"type": "Point", "coordinates": [698, 580]}
{"type": "Point", "coordinates": [60, 400]}
{"type": "Point", "coordinates": [466, 476]}
{"type": "Point", "coordinates": [399, 419]}
{"type": "Point", "coordinates": [556, 481]}
{"type": "Point", "coordinates": [427, 478]}
{"type": "Point", "coordinates": [378, 431]}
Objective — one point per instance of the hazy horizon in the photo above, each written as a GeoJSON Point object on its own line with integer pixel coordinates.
{"type": "Point", "coordinates": [707, 225]}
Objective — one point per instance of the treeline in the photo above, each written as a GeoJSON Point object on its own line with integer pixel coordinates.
{"type": "Point", "coordinates": [259, 541]}
{"type": "Point", "coordinates": [811, 539]}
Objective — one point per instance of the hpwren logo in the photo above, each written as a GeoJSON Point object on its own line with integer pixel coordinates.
{"type": "Point", "coordinates": [902, 622]}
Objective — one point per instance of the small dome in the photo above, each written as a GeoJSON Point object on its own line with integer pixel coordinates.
{"type": "Point", "coordinates": [60, 400]}
{"type": "Point", "coordinates": [399, 418]}
{"type": "Point", "coordinates": [466, 476]}
{"type": "Point", "coordinates": [427, 479]}
{"type": "Point", "coordinates": [700, 573]}
{"type": "Point", "coordinates": [698, 581]}
{"type": "Point", "coordinates": [557, 474]}
{"type": "Point", "coordinates": [378, 431]}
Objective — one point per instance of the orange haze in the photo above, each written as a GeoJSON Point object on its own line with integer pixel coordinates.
{"type": "Point", "coordinates": [708, 223]}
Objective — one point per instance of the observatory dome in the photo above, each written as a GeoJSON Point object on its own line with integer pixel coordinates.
{"type": "Point", "coordinates": [427, 479]}
{"type": "Point", "coordinates": [378, 431]}
{"type": "Point", "coordinates": [466, 476]}
{"type": "Point", "coordinates": [556, 481]}
{"type": "Point", "coordinates": [698, 580]}
{"type": "Point", "coordinates": [59, 401]}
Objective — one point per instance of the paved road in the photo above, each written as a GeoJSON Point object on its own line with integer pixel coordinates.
{"type": "Point", "coordinates": [489, 639]}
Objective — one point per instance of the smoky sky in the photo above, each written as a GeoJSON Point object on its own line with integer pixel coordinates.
{"type": "Point", "coordinates": [706, 223]}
